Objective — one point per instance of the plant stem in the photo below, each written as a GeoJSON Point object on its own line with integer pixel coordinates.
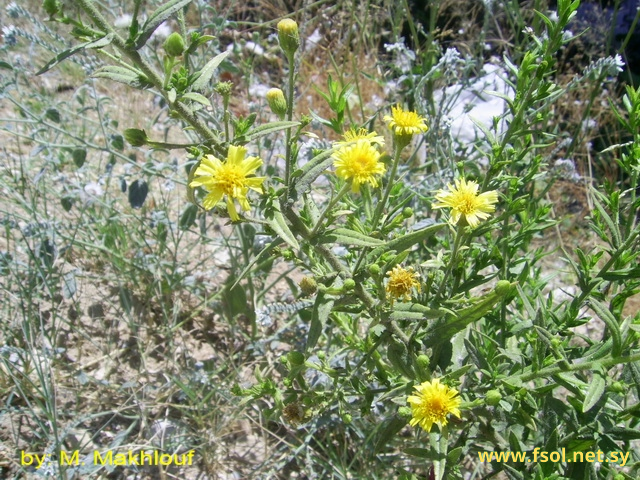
{"type": "Point", "coordinates": [390, 184]}
{"type": "Point", "coordinates": [550, 371]}
{"type": "Point", "coordinates": [290, 89]}
{"type": "Point", "coordinates": [324, 213]}
{"type": "Point", "coordinates": [454, 256]}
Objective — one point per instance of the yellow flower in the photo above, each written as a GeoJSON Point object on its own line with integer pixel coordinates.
{"type": "Point", "coordinates": [359, 162]}
{"type": "Point", "coordinates": [465, 202]}
{"type": "Point", "coordinates": [230, 178]}
{"type": "Point", "coordinates": [432, 403]}
{"type": "Point", "coordinates": [353, 135]}
{"type": "Point", "coordinates": [401, 282]}
{"type": "Point", "coordinates": [403, 123]}
{"type": "Point", "coordinates": [288, 36]}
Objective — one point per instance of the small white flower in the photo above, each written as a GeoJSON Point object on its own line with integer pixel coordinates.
{"type": "Point", "coordinates": [123, 21]}
{"type": "Point", "coordinates": [93, 189]}
{"type": "Point", "coordinates": [162, 32]}
{"type": "Point", "coordinates": [254, 48]}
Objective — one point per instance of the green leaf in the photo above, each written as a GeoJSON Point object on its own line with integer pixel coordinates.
{"type": "Point", "coordinates": [190, 190]}
{"type": "Point", "coordinates": [345, 236]}
{"type": "Point", "coordinates": [279, 225]}
{"type": "Point", "coordinates": [415, 311]}
{"type": "Point", "coordinates": [138, 191]}
{"type": "Point", "coordinates": [117, 142]}
{"type": "Point", "coordinates": [594, 392]}
{"type": "Point", "coordinates": [446, 327]}
{"type": "Point", "coordinates": [196, 97]}
{"type": "Point", "coordinates": [156, 19]}
{"type": "Point", "coordinates": [188, 217]}
{"type": "Point", "coordinates": [624, 274]}
{"type": "Point", "coordinates": [612, 324]}
{"type": "Point", "coordinates": [122, 75]}
{"type": "Point", "coordinates": [53, 114]}
{"type": "Point", "coordinates": [321, 310]}
{"type": "Point", "coordinates": [418, 452]}
{"type": "Point", "coordinates": [405, 241]}
{"type": "Point", "coordinates": [624, 433]}
{"type": "Point", "coordinates": [267, 129]}
{"type": "Point", "coordinates": [207, 72]}
{"type": "Point", "coordinates": [388, 430]}
{"type": "Point", "coordinates": [100, 43]}
{"type": "Point", "coordinates": [79, 156]}
{"type": "Point", "coordinates": [439, 446]}
{"type": "Point", "coordinates": [69, 287]}
{"type": "Point", "coordinates": [311, 171]}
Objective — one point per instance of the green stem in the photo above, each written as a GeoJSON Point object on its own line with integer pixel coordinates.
{"type": "Point", "coordinates": [290, 90]}
{"type": "Point", "coordinates": [454, 256]}
{"type": "Point", "coordinates": [390, 184]}
{"type": "Point", "coordinates": [332, 203]}
{"type": "Point", "coordinates": [550, 371]}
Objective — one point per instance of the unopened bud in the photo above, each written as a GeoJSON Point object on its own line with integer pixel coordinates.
{"type": "Point", "coordinates": [349, 284]}
{"type": "Point", "coordinates": [295, 358]}
{"type": "Point", "coordinates": [407, 212]}
{"type": "Point", "coordinates": [405, 412]}
{"type": "Point", "coordinates": [224, 88]}
{"type": "Point", "coordinates": [423, 361]}
{"type": "Point", "coordinates": [308, 286]}
{"type": "Point", "coordinates": [503, 288]}
{"type": "Point", "coordinates": [288, 36]}
{"type": "Point", "coordinates": [277, 102]}
{"type": "Point", "coordinates": [51, 7]}
{"type": "Point", "coordinates": [374, 270]}
{"type": "Point", "coordinates": [174, 45]}
{"type": "Point", "coordinates": [136, 137]}
{"type": "Point", "coordinates": [493, 397]}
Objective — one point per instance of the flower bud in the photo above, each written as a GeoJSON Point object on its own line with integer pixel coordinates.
{"type": "Point", "coordinates": [617, 387]}
{"type": "Point", "coordinates": [374, 270]}
{"type": "Point", "coordinates": [423, 361]}
{"type": "Point", "coordinates": [349, 284]}
{"type": "Point", "coordinates": [405, 412]}
{"type": "Point", "coordinates": [407, 212]}
{"type": "Point", "coordinates": [224, 88]}
{"type": "Point", "coordinates": [51, 7]}
{"type": "Point", "coordinates": [295, 358]}
{"type": "Point", "coordinates": [136, 137]}
{"type": "Point", "coordinates": [493, 397]}
{"type": "Point", "coordinates": [294, 413]}
{"type": "Point", "coordinates": [288, 36]}
{"type": "Point", "coordinates": [308, 286]}
{"type": "Point", "coordinates": [503, 288]}
{"type": "Point", "coordinates": [174, 45]}
{"type": "Point", "coordinates": [277, 102]}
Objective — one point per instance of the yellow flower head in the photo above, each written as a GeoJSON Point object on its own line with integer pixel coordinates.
{"type": "Point", "coordinates": [403, 123]}
{"type": "Point", "coordinates": [230, 178]}
{"type": "Point", "coordinates": [353, 135]}
{"type": "Point", "coordinates": [359, 162]}
{"type": "Point", "coordinates": [401, 282]}
{"type": "Point", "coordinates": [465, 202]}
{"type": "Point", "coordinates": [432, 403]}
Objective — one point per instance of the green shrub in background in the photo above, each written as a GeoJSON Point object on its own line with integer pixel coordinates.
{"type": "Point", "coordinates": [421, 344]}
